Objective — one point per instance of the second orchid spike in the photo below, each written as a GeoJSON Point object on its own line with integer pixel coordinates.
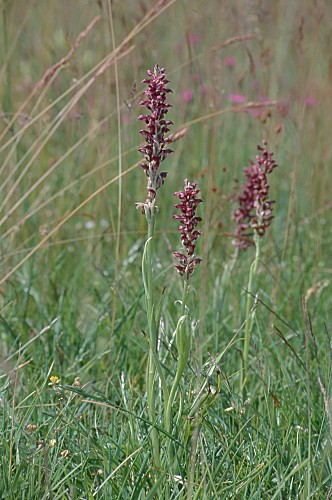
{"type": "Point", "coordinates": [189, 234]}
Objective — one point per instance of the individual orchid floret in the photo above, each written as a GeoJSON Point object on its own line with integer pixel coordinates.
{"type": "Point", "coordinates": [189, 234]}
{"type": "Point", "coordinates": [254, 213]}
{"type": "Point", "coordinates": [155, 148]}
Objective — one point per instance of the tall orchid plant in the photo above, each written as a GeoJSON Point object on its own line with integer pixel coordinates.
{"type": "Point", "coordinates": [253, 217]}
{"type": "Point", "coordinates": [155, 151]}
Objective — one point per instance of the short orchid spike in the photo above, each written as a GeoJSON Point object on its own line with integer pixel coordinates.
{"type": "Point", "coordinates": [189, 234]}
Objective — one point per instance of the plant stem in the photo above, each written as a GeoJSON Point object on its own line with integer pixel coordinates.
{"type": "Point", "coordinates": [153, 361]}
{"type": "Point", "coordinates": [153, 340]}
{"type": "Point", "coordinates": [183, 352]}
{"type": "Point", "coordinates": [249, 315]}
{"type": "Point", "coordinates": [183, 346]}
{"type": "Point", "coordinates": [151, 309]}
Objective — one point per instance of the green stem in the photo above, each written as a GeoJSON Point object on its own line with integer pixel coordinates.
{"type": "Point", "coordinates": [183, 353]}
{"type": "Point", "coordinates": [249, 317]}
{"type": "Point", "coordinates": [153, 361]}
{"type": "Point", "coordinates": [153, 341]}
{"type": "Point", "coordinates": [151, 311]}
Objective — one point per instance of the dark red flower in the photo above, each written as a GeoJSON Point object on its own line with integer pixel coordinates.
{"type": "Point", "coordinates": [255, 209]}
{"type": "Point", "coordinates": [155, 149]}
{"type": "Point", "coordinates": [189, 234]}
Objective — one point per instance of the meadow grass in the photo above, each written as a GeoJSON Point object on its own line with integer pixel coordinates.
{"type": "Point", "coordinates": [72, 299]}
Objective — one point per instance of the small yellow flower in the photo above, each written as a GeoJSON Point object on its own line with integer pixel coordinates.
{"type": "Point", "coordinates": [54, 380]}
{"type": "Point", "coordinates": [52, 442]}
{"type": "Point", "coordinates": [64, 453]}
{"type": "Point", "coordinates": [99, 472]}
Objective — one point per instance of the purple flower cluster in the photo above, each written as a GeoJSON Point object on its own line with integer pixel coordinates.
{"type": "Point", "coordinates": [255, 209]}
{"type": "Point", "coordinates": [189, 234]}
{"type": "Point", "coordinates": [154, 150]}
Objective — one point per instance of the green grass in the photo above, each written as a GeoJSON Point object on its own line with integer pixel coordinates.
{"type": "Point", "coordinates": [71, 244]}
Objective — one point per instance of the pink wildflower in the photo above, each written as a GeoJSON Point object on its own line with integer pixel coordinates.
{"type": "Point", "coordinates": [187, 95]}
{"type": "Point", "coordinates": [193, 38]}
{"type": "Point", "coordinates": [237, 98]}
{"type": "Point", "coordinates": [310, 101]}
{"type": "Point", "coordinates": [230, 62]}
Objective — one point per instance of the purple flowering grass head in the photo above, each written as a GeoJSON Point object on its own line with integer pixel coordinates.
{"type": "Point", "coordinates": [189, 234]}
{"type": "Point", "coordinates": [254, 213]}
{"type": "Point", "coordinates": [156, 127]}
